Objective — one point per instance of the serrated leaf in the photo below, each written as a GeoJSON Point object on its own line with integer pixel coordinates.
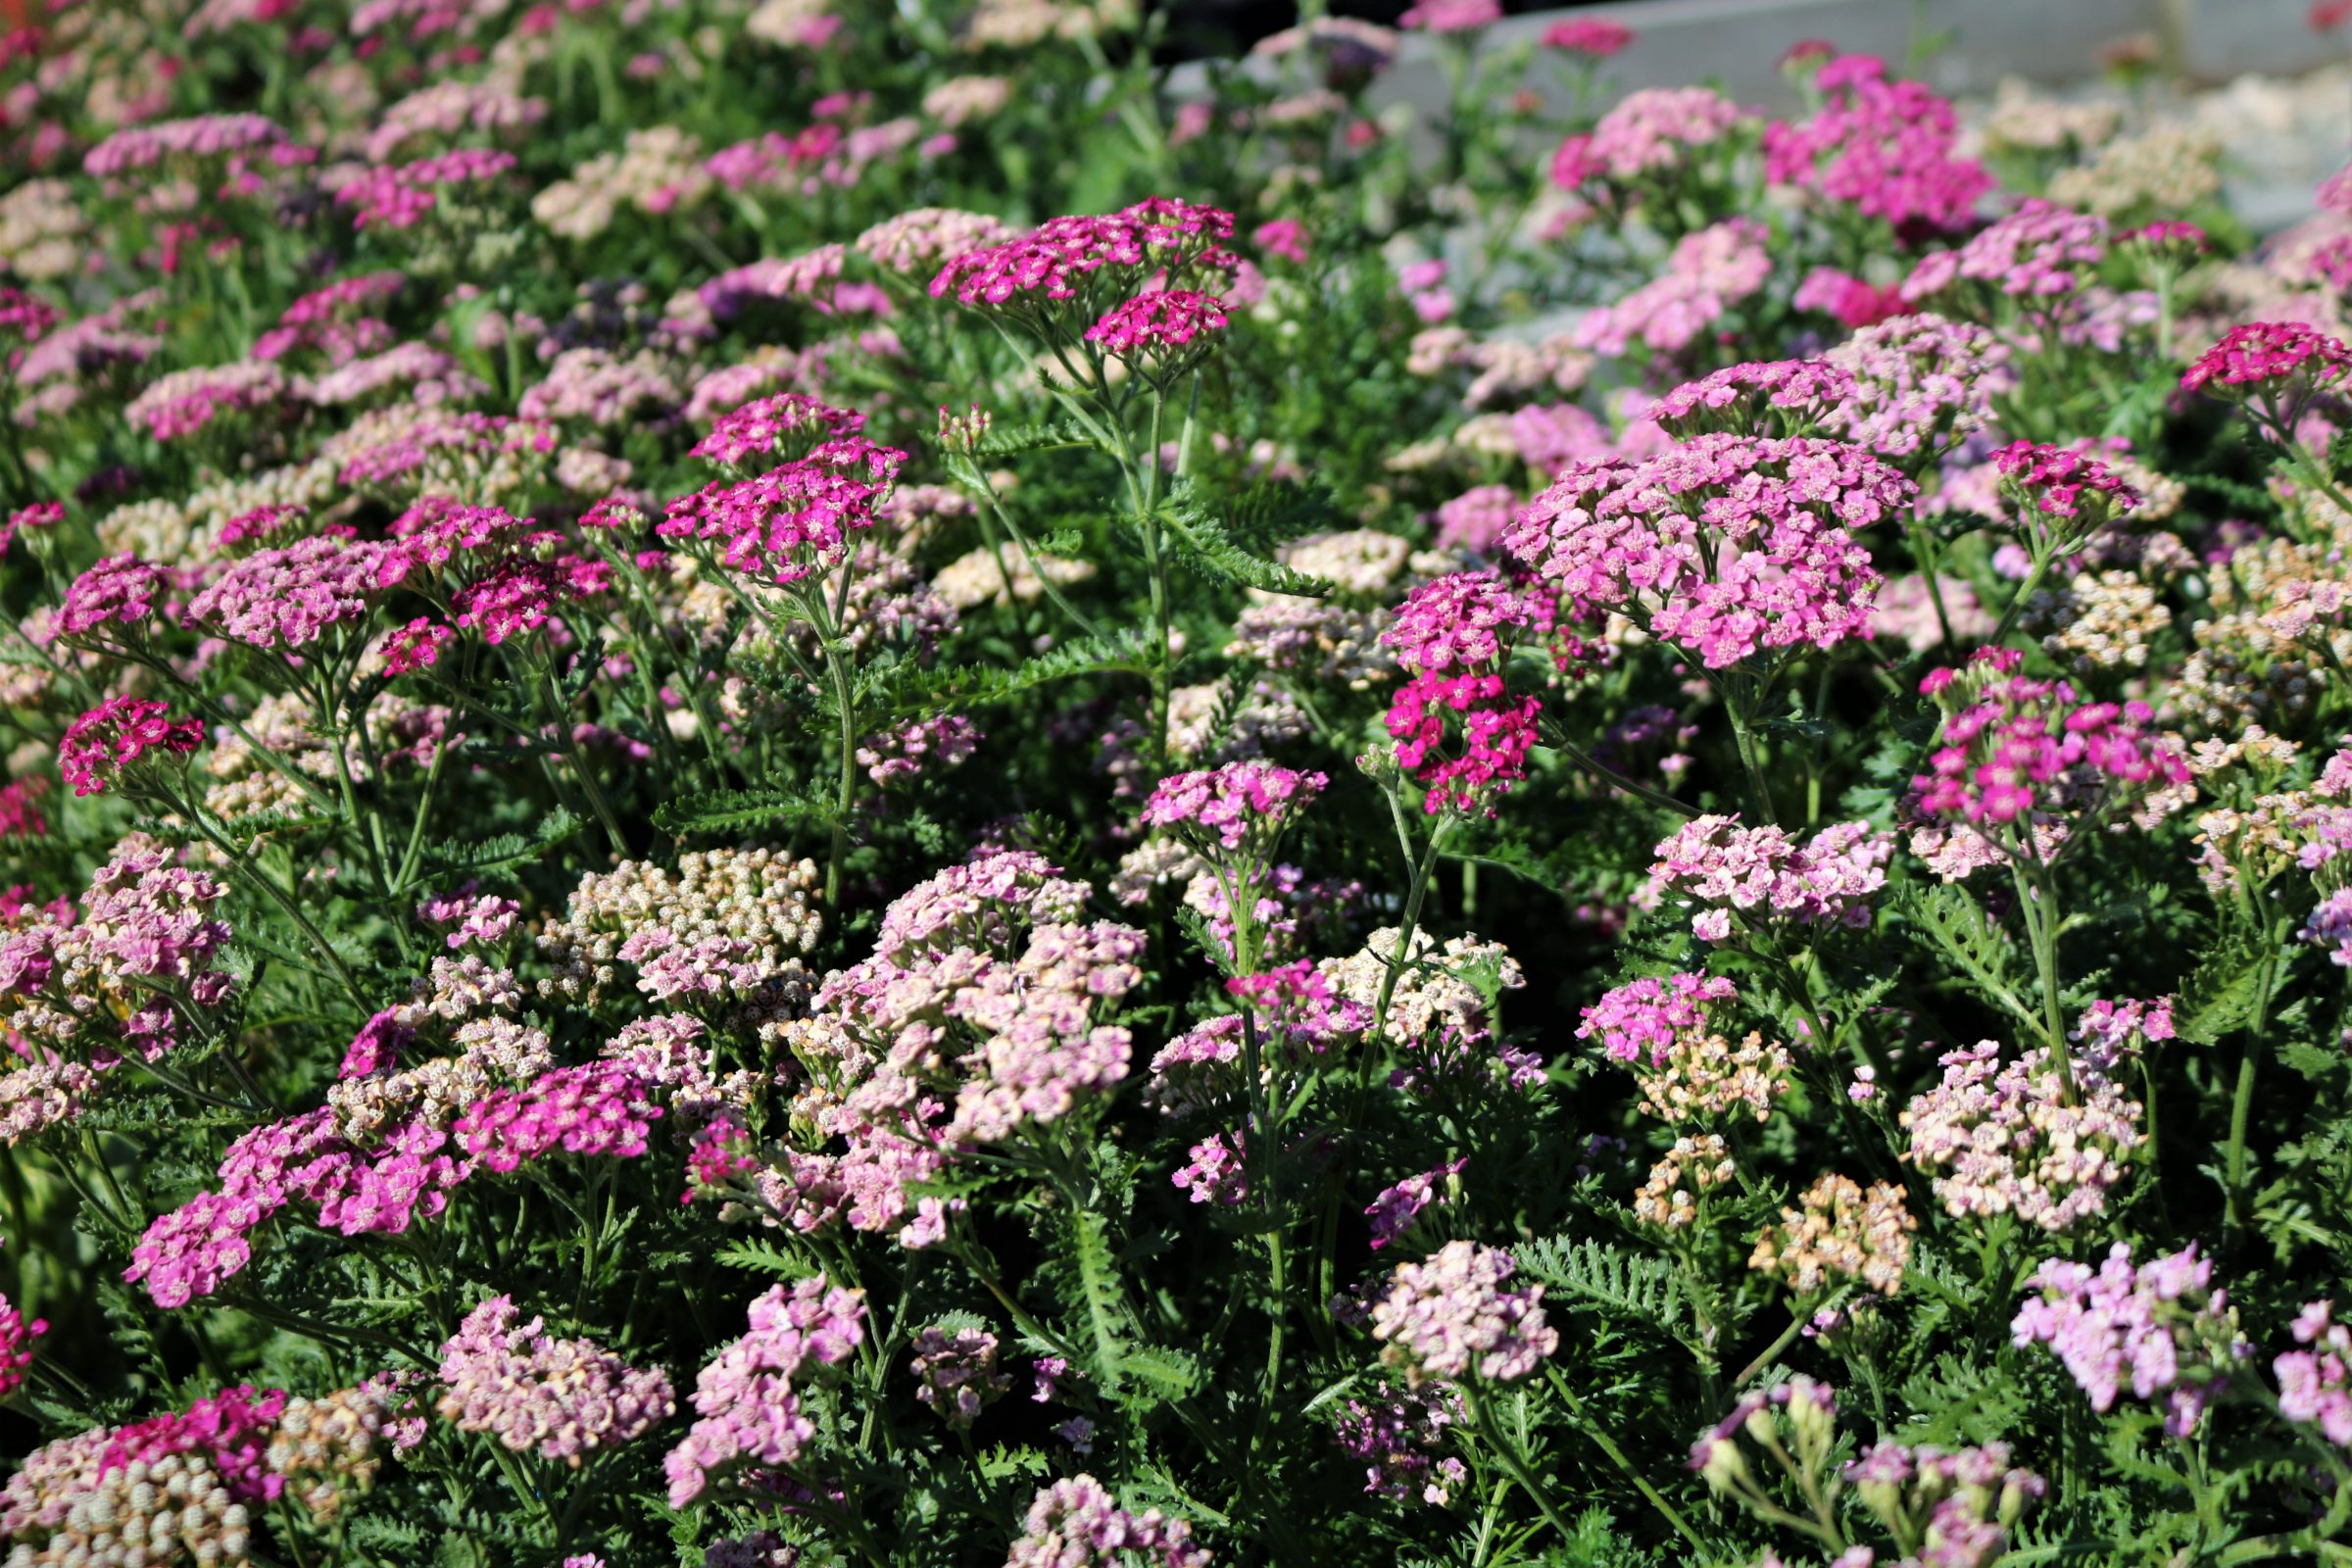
{"type": "Point", "coordinates": [763, 1257]}
{"type": "Point", "coordinates": [1955, 924]}
{"type": "Point", "coordinates": [2224, 991]}
{"type": "Point", "coordinates": [729, 811]}
{"type": "Point", "coordinates": [907, 691]}
{"type": "Point", "coordinates": [1049, 435]}
{"type": "Point", "coordinates": [1621, 1285]}
{"type": "Point", "coordinates": [506, 848]}
{"type": "Point", "coordinates": [1203, 537]}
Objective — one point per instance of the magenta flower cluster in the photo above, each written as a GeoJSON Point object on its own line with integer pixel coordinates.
{"type": "Point", "coordinates": [118, 734]}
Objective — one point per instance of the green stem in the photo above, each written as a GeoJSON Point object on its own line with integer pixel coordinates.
{"type": "Point", "coordinates": [2037, 906]}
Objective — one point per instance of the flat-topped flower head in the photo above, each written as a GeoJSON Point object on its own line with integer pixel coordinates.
{"type": "Point", "coordinates": [117, 593]}
{"type": "Point", "coordinates": [1162, 327]}
{"type": "Point", "coordinates": [2011, 746]}
{"type": "Point", "coordinates": [1230, 805]}
{"type": "Point", "coordinates": [2273, 369]}
{"type": "Point", "coordinates": [780, 428]}
{"type": "Point", "coordinates": [1453, 1316]}
{"type": "Point", "coordinates": [1886, 148]}
{"type": "Point", "coordinates": [2159, 1328]}
{"type": "Point", "coordinates": [1729, 546]}
{"type": "Point", "coordinates": [1463, 623]}
{"type": "Point", "coordinates": [1595, 37]}
{"type": "Point", "coordinates": [1641, 1021]}
{"type": "Point", "coordinates": [118, 736]}
{"type": "Point", "coordinates": [2006, 1138]}
{"type": "Point", "coordinates": [2064, 482]}
{"type": "Point", "coordinates": [1762, 873]}
{"type": "Point", "coordinates": [1772, 397]}
{"type": "Point", "coordinates": [798, 520]}
{"type": "Point", "coordinates": [1071, 259]}
{"type": "Point", "coordinates": [2038, 254]}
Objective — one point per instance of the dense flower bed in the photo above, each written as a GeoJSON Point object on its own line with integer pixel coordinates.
{"type": "Point", "coordinates": [783, 791]}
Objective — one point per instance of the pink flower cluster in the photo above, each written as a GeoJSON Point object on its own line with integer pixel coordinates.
{"type": "Point", "coordinates": [2057, 479]}
{"type": "Point", "coordinates": [1465, 620]}
{"type": "Point", "coordinates": [1451, 1315]}
{"type": "Point", "coordinates": [2160, 1326]}
{"type": "Point", "coordinates": [1596, 36]}
{"type": "Point", "coordinates": [797, 519]}
{"type": "Point", "coordinates": [981, 994]}
{"type": "Point", "coordinates": [203, 136]}
{"type": "Point", "coordinates": [1159, 323]}
{"type": "Point", "coordinates": [1495, 731]}
{"type": "Point", "coordinates": [1920, 382]}
{"type": "Point", "coordinates": [1708, 273]}
{"type": "Point", "coordinates": [1883, 147]}
{"type": "Point", "coordinates": [1067, 256]}
{"type": "Point", "coordinates": [176, 405]}
{"type": "Point", "coordinates": [486, 919]}
{"type": "Point", "coordinates": [1244, 803]}
{"type": "Point", "coordinates": [2314, 1386]}
{"type": "Point", "coordinates": [599, 1109]}
{"type": "Point", "coordinates": [1772, 397]}
{"type": "Point", "coordinates": [1714, 861]}
{"type": "Point", "coordinates": [1393, 1210]}
{"type": "Point", "coordinates": [748, 1397]}
{"type": "Point", "coordinates": [2037, 253]}
{"type": "Point", "coordinates": [956, 1372]}
{"type": "Point", "coordinates": [2330, 926]}
{"type": "Point", "coordinates": [17, 1335]}
{"type": "Point", "coordinates": [115, 735]}
{"type": "Point", "coordinates": [1075, 1523]}
{"type": "Point", "coordinates": [2010, 745]}
{"type": "Point", "coordinates": [2267, 355]}
{"type": "Point", "coordinates": [1647, 132]}
{"type": "Point", "coordinates": [290, 597]}
{"type": "Point", "coordinates": [789, 423]}
{"type": "Point", "coordinates": [1644, 1017]}
{"type": "Point", "coordinates": [405, 195]}
{"type": "Point", "coordinates": [561, 1398]}
{"type": "Point", "coordinates": [119, 590]}
{"type": "Point", "coordinates": [1729, 547]}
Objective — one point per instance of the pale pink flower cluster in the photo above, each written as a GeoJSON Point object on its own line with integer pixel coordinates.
{"type": "Point", "coordinates": [2038, 253]}
{"type": "Point", "coordinates": [1453, 1315]}
{"type": "Point", "coordinates": [1075, 1523]}
{"type": "Point", "coordinates": [1244, 803]}
{"type": "Point", "coordinates": [2006, 1138]}
{"type": "Point", "coordinates": [1708, 273]}
{"type": "Point", "coordinates": [2314, 1386]}
{"type": "Point", "coordinates": [752, 1422]}
{"type": "Point", "coordinates": [563, 1400]}
{"type": "Point", "coordinates": [972, 1023]}
{"type": "Point", "coordinates": [176, 405]}
{"type": "Point", "coordinates": [2160, 1327]}
{"type": "Point", "coordinates": [1778, 570]}
{"type": "Point", "coordinates": [1762, 872]}
{"type": "Point", "coordinates": [1647, 132]}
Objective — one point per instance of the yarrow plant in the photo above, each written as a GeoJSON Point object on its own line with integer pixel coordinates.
{"type": "Point", "coordinates": [780, 793]}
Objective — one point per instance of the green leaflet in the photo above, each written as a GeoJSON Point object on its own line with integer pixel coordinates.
{"type": "Point", "coordinates": [723, 810]}
{"type": "Point", "coordinates": [1203, 539]}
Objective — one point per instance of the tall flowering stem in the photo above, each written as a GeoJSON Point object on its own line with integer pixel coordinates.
{"type": "Point", "coordinates": [2064, 500]}
{"type": "Point", "coordinates": [1125, 311]}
